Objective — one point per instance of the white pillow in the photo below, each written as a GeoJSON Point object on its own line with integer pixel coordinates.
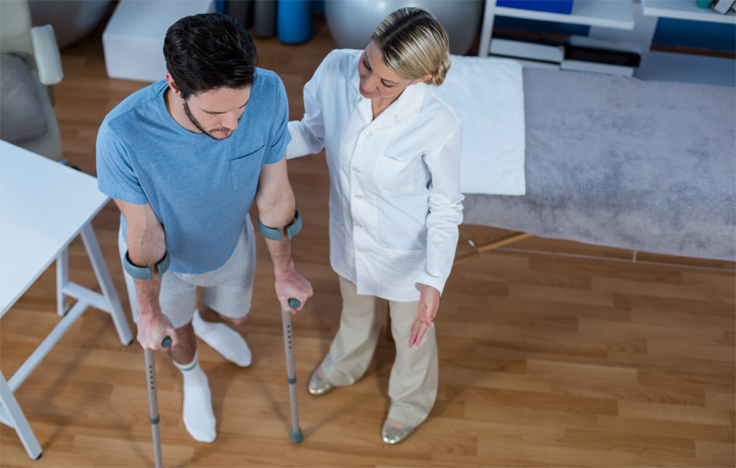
{"type": "Point", "coordinates": [489, 95]}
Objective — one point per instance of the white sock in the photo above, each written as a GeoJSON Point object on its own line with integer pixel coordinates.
{"type": "Point", "coordinates": [199, 419]}
{"type": "Point", "coordinates": [222, 339]}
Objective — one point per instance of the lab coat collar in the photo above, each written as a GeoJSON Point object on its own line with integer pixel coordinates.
{"type": "Point", "coordinates": [406, 106]}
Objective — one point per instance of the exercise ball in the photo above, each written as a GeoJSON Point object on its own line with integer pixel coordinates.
{"type": "Point", "coordinates": [351, 22]}
{"type": "Point", "coordinates": [71, 19]}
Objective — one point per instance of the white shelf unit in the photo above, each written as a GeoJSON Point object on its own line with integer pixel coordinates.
{"type": "Point", "coordinates": [685, 10]}
{"type": "Point", "coordinates": [616, 14]}
{"type": "Point", "coordinates": [655, 66]}
{"type": "Point", "coordinates": [604, 13]}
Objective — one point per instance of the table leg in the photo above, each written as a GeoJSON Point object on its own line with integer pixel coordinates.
{"type": "Point", "coordinates": [106, 284]}
{"type": "Point", "coordinates": [62, 278]}
{"type": "Point", "coordinates": [17, 420]}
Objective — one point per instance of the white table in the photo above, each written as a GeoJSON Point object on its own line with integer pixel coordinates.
{"type": "Point", "coordinates": [44, 205]}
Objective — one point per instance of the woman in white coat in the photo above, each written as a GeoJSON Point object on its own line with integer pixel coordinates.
{"type": "Point", "coordinates": [392, 140]}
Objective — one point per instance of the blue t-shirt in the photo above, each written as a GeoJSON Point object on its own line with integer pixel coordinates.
{"type": "Point", "coordinates": [199, 188]}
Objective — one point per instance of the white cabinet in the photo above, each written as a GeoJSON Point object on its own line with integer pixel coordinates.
{"type": "Point", "coordinates": [133, 40]}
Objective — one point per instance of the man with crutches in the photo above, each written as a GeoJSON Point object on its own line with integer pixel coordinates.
{"type": "Point", "coordinates": [184, 159]}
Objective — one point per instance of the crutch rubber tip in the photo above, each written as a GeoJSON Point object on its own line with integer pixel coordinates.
{"type": "Point", "coordinates": [294, 303]}
{"type": "Point", "coordinates": [296, 436]}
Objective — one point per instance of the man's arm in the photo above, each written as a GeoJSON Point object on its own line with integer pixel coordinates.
{"type": "Point", "coordinates": [146, 243]}
{"type": "Point", "coordinates": [276, 207]}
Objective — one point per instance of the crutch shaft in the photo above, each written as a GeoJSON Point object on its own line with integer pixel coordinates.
{"type": "Point", "coordinates": [153, 406]}
{"type": "Point", "coordinates": [296, 432]}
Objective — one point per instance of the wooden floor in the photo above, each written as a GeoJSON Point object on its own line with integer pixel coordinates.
{"type": "Point", "coordinates": [544, 360]}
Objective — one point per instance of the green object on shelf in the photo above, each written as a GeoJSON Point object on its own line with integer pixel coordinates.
{"type": "Point", "coordinates": [704, 3]}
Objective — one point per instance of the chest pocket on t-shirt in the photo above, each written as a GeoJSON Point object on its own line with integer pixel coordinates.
{"type": "Point", "coordinates": [245, 169]}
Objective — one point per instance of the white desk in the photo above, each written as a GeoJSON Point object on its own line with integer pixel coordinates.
{"type": "Point", "coordinates": [44, 205]}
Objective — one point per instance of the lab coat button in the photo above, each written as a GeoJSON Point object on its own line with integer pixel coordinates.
{"type": "Point", "coordinates": [359, 197]}
{"type": "Point", "coordinates": [360, 250]}
{"type": "Point", "coordinates": [368, 134]}
{"type": "Point", "coordinates": [356, 170]}
{"type": "Point", "coordinates": [358, 225]}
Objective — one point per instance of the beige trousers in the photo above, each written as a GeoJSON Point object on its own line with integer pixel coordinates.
{"type": "Point", "coordinates": [413, 382]}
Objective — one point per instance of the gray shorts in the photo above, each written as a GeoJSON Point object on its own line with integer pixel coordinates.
{"type": "Point", "coordinates": [227, 290]}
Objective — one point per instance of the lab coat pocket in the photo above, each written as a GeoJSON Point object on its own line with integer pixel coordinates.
{"type": "Point", "coordinates": [243, 167]}
{"type": "Point", "coordinates": [394, 176]}
{"type": "Point", "coordinates": [400, 271]}
{"type": "Point", "coordinates": [401, 255]}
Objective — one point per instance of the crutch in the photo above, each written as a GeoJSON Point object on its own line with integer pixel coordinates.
{"type": "Point", "coordinates": [153, 400]}
{"type": "Point", "coordinates": [296, 431]}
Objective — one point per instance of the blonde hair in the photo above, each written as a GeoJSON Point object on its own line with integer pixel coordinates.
{"type": "Point", "coordinates": [414, 45]}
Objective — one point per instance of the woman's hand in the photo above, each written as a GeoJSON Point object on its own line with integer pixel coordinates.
{"type": "Point", "coordinates": [429, 302]}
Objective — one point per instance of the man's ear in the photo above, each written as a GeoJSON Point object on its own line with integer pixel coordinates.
{"type": "Point", "coordinates": [172, 85]}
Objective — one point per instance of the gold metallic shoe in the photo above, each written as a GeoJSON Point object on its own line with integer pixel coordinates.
{"type": "Point", "coordinates": [319, 386]}
{"type": "Point", "coordinates": [393, 435]}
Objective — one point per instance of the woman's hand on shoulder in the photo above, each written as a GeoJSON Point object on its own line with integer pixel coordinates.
{"type": "Point", "coordinates": [429, 302]}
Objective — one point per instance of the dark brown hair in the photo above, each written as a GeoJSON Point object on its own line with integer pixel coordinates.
{"type": "Point", "coordinates": [209, 51]}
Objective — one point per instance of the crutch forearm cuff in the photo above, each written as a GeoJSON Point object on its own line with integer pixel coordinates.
{"type": "Point", "coordinates": [145, 273]}
{"type": "Point", "coordinates": [276, 234]}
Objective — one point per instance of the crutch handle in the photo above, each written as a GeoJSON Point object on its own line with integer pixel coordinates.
{"type": "Point", "coordinates": [294, 303]}
{"type": "Point", "coordinates": [166, 343]}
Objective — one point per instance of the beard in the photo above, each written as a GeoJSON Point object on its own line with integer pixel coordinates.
{"type": "Point", "coordinates": [196, 123]}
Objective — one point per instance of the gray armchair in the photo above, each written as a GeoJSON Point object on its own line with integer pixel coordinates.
{"type": "Point", "coordinates": [30, 64]}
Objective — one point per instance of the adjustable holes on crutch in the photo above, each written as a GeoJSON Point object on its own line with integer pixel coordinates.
{"type": "Point", "coordinates": [296, 432]}
{"type": "Point", "coordinates": [153, 401]}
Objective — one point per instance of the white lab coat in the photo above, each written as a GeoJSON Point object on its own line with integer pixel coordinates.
{"type": "Point", "coordinates": [395, 200]}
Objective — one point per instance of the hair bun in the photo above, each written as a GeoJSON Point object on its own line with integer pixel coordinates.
{"type": "Point", "coordinates": [439, 76]}
{"type": "Point", "coordinates": [414, 45]}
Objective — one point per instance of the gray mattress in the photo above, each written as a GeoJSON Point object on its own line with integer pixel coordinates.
{"type": "Point", "coordinates": [620, 162]}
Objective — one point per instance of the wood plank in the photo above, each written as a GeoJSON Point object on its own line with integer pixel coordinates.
{"type": "Point", "coordinates": [676, 413]}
